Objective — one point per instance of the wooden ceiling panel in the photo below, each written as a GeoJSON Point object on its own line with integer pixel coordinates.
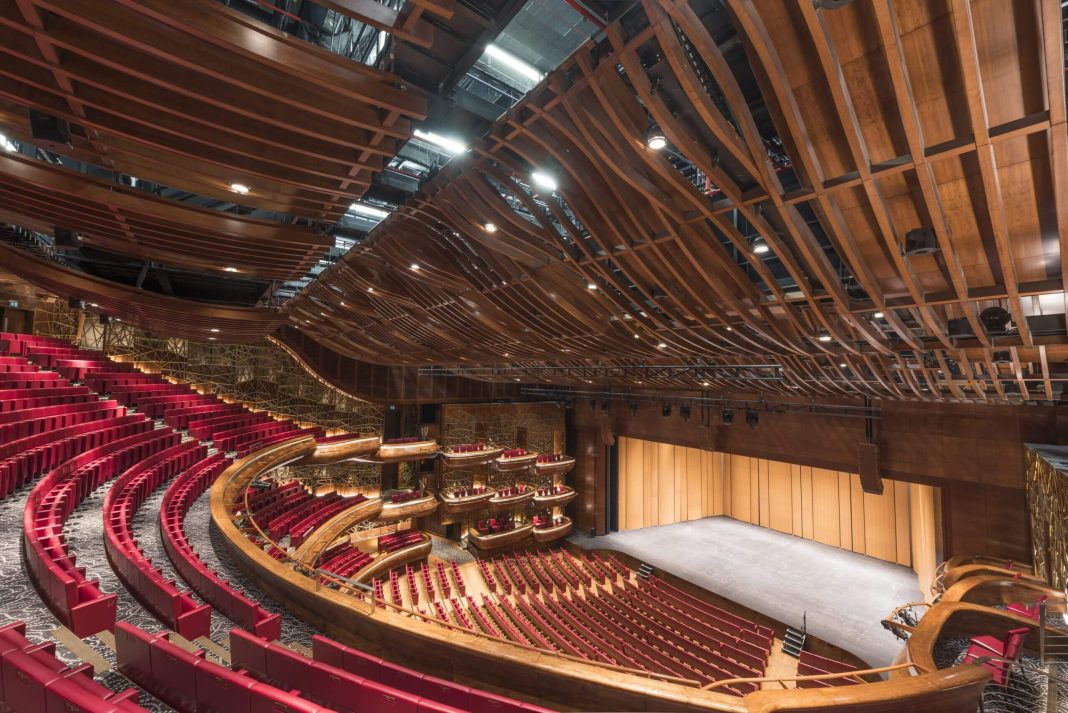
{"type": "Point", "coordinates": [198, 96]}
{"type": "Point", "coordinates": [132, 222]}
{"type": "Point", "coordinates": [164, 315]}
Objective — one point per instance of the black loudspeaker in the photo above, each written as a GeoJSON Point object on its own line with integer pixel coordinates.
{"type": "Point", "coordinates": [75, 303]}
{"type": "Point", "coordinates": [868, 468]}
{"type": "Point", "coordinates": [65, 237]}
{"type": "Point", "coordinates": [48, 129]}
{"type": "Point", "coordinates": [920, 241]}
{"type": "Point", "coordinates": [104, 319]}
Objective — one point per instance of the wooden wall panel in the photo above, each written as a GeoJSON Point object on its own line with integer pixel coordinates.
{"type": "Point", "coordinates": [826, 508]}
{"type": "Point", "coordinates": [780, 504]}
{"type": "Point", "coordinates": [924, 525]}
{"type": "Point", "coordinates": [661, 484]}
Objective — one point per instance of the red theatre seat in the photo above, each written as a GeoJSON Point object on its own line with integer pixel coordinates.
{"type": "Point", "coordinates": [1007, 650]}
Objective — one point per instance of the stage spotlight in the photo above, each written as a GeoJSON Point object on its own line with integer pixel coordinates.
{"type": "Point", "coordinates": [752, 417]}
{"type": "Point", "coordinates": [665, 410]}
{"type": "Point", "coordinates": [684, 411]}
{"type": "Point", "coordinates": [654, 138]}
{"type": "Point", "coordinates": [728, 416]}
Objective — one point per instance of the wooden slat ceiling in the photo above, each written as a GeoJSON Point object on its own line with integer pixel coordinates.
{"type": "Point", "coordinates": [171, 316]}
{"type": "Point", "coordinates": [895, 114]}
{"type": "Point", "coordinates": [38, 195]}
{"type": "Point", "coordinates": [196, 96]}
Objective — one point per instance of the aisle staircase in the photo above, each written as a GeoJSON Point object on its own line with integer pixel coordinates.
{"type": "Point", "coordinates": [794, 641]}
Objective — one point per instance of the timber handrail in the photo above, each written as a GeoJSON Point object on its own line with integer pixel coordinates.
{"type": "Point", "coordinates": [781, 680]}
{"type": "Point", "coordinates": [319, 574]}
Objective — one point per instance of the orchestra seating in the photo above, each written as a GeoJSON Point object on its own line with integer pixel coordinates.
{"type": "Point", "coordinates": [178, 498]}
{"type": "Point", "coordinates": [33, 680]}
{"type": "Point", "coordinates": [810, 664]}
{"type": "Point", "coordinates": [548, 600]}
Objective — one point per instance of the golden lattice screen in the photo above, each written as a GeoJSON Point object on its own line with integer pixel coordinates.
{"type": "Point", "coordinates": [1047, 499]}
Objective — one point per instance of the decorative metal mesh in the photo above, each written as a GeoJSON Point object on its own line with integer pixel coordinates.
{"type": "Point", "coordinates": [1047, 499]}
{"type": "Point", "coordinates": [537, 427]}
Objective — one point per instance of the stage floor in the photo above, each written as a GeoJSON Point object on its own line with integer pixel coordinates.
{"type": "Point", "coordinates": [845, 594]}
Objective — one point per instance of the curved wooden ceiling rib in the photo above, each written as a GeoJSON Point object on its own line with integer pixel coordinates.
{"type": "Point", "coordinates": [879, 144]}
{"type": "Point", "coordinates": [157, 313]}
{"type": "Point", "coordinates": [41, 196]}
{"type": "Point", "coordinates": [196, 96]}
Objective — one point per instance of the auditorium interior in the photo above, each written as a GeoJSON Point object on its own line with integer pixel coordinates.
{"type": "Point", "coordinates": [505, 356]}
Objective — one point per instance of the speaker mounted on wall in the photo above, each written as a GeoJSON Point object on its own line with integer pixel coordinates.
{"type": "Point", "coordinates": [49, 131]}
{"type": "Point", "coordinates": [75, 303]}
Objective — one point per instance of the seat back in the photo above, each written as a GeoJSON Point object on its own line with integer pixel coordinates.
{"type": "Point", "coordinates": [1014, 642]}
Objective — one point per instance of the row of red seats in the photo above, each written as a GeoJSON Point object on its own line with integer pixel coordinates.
{"type": "Point", "coordinates": [23, 460]}
{"type": "Point", "coordinates": [413, 586]}
{"type": "Point", "coordinates": [406, 496]}
{"type": "Point", "coordinates": [494, 524]}
{"type": "Point", "coordinates": [810, 664]}
{"type": "Point", "coordinates": [372, 668]}
{"type": "Point", "coordinates": [18, 399]}
{"type": "Point", "coordinates": [280, 525]}
{"type": "Point", "coordinates": [75, 600]}
{"type": "Point", "coordinates": [178, 498]}
{"type": "Point", "coordinates": [749, 631]}
{"type": "Point", "coordinates": [75, 366]}
{"type": "Point", "coordinates": [507, 492]}
{"type": "Point", "coordinates": [244, 450]}
{"type": "Point", "coordinates": [175, 608]}
{"type": "Point", "coordinates": [231, 440]}
{"type": "Point", "coordinates": [263, 493]}
{"type": "Point", "coordinates": [554, 490]}
{"type": "Point", "coordinates": [266, 515]}
{"type": "Point", "coordinates": [345, 561]}
{"type": "Point", "coordinates": [705, 655]}
{"type": "Point", "coordinates": [33, 680]}
{"type": "Point", "coordinates": [397, 540]}
{"type": "Point", "coordinates": [15, 343]}
{"type": "Point", "coordinates": [515, 453]}
{"type": "Point", "coordinates": [189, 683]}
{"type": "Point", "coordinates": [552, 457]}
{"type": "Point", "coordinates": [543, 521]}
{"type": "Point", "coordinates": [27, 422]}
{"type": "Point", "coordinates": [468, 447]}
{"type": "Point", "coordinates": [405, 439]}
{"type": "Point", "coordinates": [206, 428]}
{"type": "Point", "coordinates": [180, 418]}
{"type": "Point", "coordinates": [299, 532]}
{"type": "Point", "coordinates": [465, 492]}
{"type": "Point", "coordinates": [49, 356]}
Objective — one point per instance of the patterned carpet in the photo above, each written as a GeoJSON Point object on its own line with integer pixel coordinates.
{"type": "Point", "coordinates": [85, 534]}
